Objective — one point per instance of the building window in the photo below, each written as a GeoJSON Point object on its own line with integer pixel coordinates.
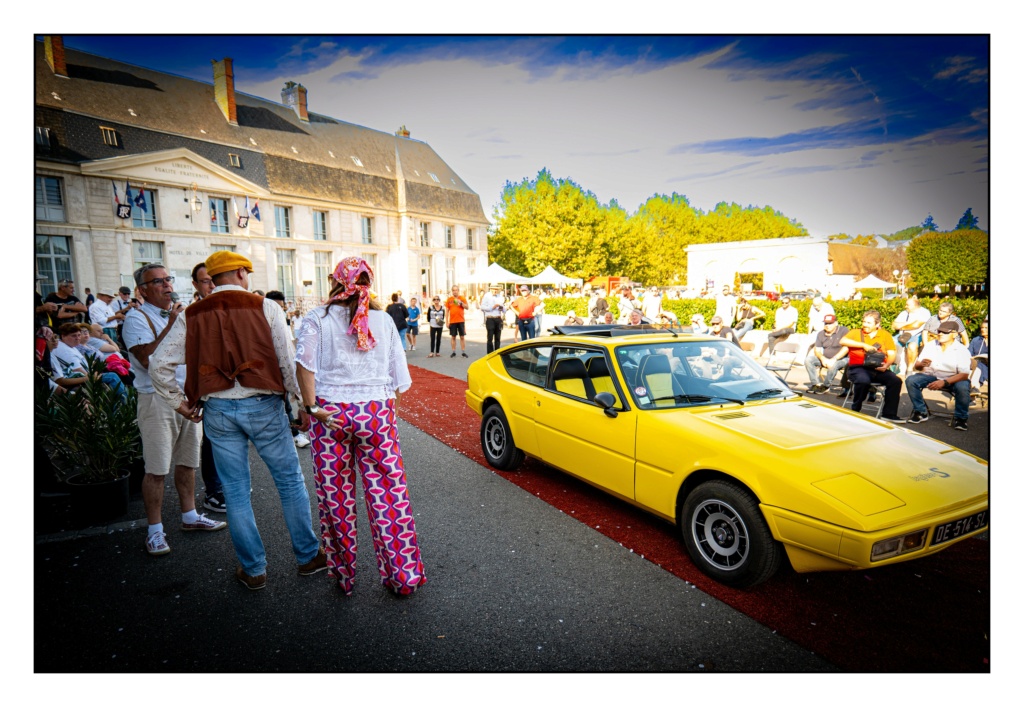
{"type": "Point", "coordinates": [53, 261]}
{"type": "Point", "coordinates": [424, 235]}
{"type": "Point", "coordinates": [367, 223]}
{"type": "Point", "coordinates": [371, 260]}
{"type": "Point", "coordinates": [356, 161]}
{"type": "Point", "coordinates": [321, 269]}
{"type": "Point", "coordinates": [147, 218]}
{"type": "Point", "coordinates": [110, 137]}
{"type": "Point", "coordinates": [449, 273]}
{"type": "Point", "coordinates": [469, 239]}
{"type": "Point", "coordinates": [434, 177]}
{"type": "Point", "coordinates": [215, 247]}
{"type": "Point", "coordinates": [282, 222]}
{"type": "Point", "coordinates": [146, 252]}
{"type": "Point", "coordinates": [219, 215]}
{"type": "Point", "coordinates": [449, 236]}
{"type": "Point", "coordinates": [234, 160]}
{"type": "Point", "coordinates": [43, 137]}
{"type": "Point", "coordinates": [319, 225]}
{"type": "Point", "coordinates": [49, 199]}
{"type": "Point", "coordinates": [286, 272]}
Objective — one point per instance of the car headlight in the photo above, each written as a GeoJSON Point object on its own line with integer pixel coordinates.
{"type": "Point", "coordinates": [898, 546]}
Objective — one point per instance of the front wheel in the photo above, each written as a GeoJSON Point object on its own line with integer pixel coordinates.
{"type": "Point", "coordinates": [726, 535]}
{"type": "Point", "coordinates": [496, 440]}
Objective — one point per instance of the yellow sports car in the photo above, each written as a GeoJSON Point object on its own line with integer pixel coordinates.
{"type": "Point", "coordinates": [693, 430]}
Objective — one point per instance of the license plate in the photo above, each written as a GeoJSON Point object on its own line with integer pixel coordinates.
{"type": "Point", "coordinates": [954, 529]}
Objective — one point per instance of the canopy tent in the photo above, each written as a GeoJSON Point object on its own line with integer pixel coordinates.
{"type": "Point", "coordinates": [550, 276]}
{"type": "Point", "coordinates": [496, 273]}
{"type": "Point", "coordinates": [872, 282]}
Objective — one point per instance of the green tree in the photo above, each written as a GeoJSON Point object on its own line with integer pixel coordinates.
{"type": "Point", "coordinates": [929, 224]}
{"type": "Point", "coordinates": [954, 258]}
{"type": "Point", "coordinates": [967, 222]}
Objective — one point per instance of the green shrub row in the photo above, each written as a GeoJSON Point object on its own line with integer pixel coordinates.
{"type": "Point", "coordinates": [849, 312]}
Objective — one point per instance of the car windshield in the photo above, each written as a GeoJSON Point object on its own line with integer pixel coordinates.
{"type": "Point", "coordinates": [695, 373]}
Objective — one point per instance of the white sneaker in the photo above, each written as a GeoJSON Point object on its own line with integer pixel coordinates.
{"type": "Point", "coordinates": [156, 544]}
{"type": "Point", "coordinates": [301, 440]}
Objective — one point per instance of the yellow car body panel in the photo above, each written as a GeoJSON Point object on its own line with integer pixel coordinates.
{"type": "Point", "coordinates": [830, 482]}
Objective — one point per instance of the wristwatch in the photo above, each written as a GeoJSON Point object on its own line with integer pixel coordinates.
{"type": "Point", "coordinates": [312, 409]}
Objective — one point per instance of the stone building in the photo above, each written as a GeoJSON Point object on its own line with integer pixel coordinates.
{"type": "Point", "coordinates": [201, 153]}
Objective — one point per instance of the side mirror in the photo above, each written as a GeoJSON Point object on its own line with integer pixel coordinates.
{"type": "Point", "coordinates": [606, 401]}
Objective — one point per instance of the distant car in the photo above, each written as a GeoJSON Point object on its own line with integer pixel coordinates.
{"type": "Point", "coordinates": [694, 431]}
{"type": "Point", "coordinates": [764, 294]}
{"type": "Point", "coordinates": [801, 294]}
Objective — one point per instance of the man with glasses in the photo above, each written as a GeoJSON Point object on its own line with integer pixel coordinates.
{"type": "Point", "coordinates": [945, 364]}
{"type": "Point", "coordinates": [870, 338]}
{"type": "Point", "coordinates": [167, 438]}
{"type": "Point", "coordinates": [828, 354]}
{"type": "Point", "coordinates": [945, 314]}
{"type": "Point", "coordinates": [70, 309]}
{"type": "Point", "coordinates": [786, 318]}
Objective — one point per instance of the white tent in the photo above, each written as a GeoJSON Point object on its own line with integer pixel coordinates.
{"type": "Point", "coordinates": [872, 282]}
{"type": "Point", "coordinates": [550, 276]}
{"type": "Point", "coordinates": [496, 273]}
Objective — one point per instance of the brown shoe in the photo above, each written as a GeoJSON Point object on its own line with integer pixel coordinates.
{"type": "Point", "coordinates": [252, 583]}
{"type": "Point", "coordinates": [317, 564]}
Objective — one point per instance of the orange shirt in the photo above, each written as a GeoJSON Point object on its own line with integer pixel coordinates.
{"type": "Point", "coordinates": [456, 310]}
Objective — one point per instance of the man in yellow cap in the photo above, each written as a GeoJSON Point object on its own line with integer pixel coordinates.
{"type": "Point", "coordinates": [239, 361]}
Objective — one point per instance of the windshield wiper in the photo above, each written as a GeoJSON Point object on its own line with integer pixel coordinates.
{"type": "Point", "coordinates": [697, 398]}
{"type": "Point", "coordinates": [765, 393]}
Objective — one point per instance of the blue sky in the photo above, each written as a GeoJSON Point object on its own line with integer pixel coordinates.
{"type": "Point", "coordinates": [854, 134]}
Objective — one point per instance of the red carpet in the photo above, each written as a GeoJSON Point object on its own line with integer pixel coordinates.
{"type": "Point", "coordinates": [931, 615]}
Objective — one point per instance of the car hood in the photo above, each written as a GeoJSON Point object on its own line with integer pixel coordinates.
{"type": "Point", "coordinates": [873, 473]}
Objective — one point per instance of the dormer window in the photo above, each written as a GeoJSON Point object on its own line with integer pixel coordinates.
{"type": "Point", "coordinates": [234, 160]}
{"type": "Point", "coordinates": [110, 137]}
{"type": "Point", "coordinates": [434, 177]}
{"type": "Point", "coordinates": [356, 160]}
{"type": "Point", "coordinates": [43, 137]}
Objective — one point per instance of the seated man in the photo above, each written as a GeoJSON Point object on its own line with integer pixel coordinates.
{"type": "Point", "coordinates": [746, 317]}
{"type": "Point", "coordinates": [609, 318]}
{"type": "Point", "coordinates": [572, 320]}
{"type": "Point", "coordinates": [978, 349]}
{"type": "Point", "coordinates": [946, 313]}
{"type": "Point", "coordinates": [719, 329]}
{"type": "Point", "coordinates": [785, 324]}
{"type": "Point", "coordinates": [871, 339]}
{"type": "Point", "coordinates": [697, 325]}
{"type": "Point", "coordinates": [828, 353]}
{"type": "Point", "coordinates": [70, 367]}
{"type": "Point", "coordinates": [945, 364]}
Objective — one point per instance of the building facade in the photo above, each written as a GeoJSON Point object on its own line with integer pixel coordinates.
{"type": "Point", "coordinates": [292, 190]}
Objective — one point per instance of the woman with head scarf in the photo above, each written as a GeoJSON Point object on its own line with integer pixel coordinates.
{"type": "Point", "coordinates": [352, 372]}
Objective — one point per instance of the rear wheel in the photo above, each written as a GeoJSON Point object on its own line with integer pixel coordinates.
{"type": "Point", "coordinates": [726, 535]}
{"type": "Point", "coordinates": [496, 440]}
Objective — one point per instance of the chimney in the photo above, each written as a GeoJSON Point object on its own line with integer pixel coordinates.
{"type": "Point", "coordinates": [224, 88]}
{"type": "Point", "coordinates": [293, 95]}
{"type": "Point", "coordinates": [54, 48]}
{"type": "Point", "coordinates": [402, 132]}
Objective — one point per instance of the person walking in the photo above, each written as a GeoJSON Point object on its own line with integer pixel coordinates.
{"type": "Point", "coordinates": [239, 364]}
{"type": "Point", "coordinates": [414, 323]}
{"type": "Point", "coordinates": [399, 314]}
{"type": "Point", "coordinates": [352, 377]}
{"type": "Point", "coordinates": [435, 319]}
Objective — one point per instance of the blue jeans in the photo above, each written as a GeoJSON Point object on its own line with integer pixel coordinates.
{"type": "Point", "coordinates": [230, 425]}
{"type": "Point", "coordinates": [742, 327]}
{"type": "Point", "coordinates": [113, 382]}
{"type": "Point", "coordinates": [961, 394]}
{"type": "Point", "coordinates": [813, 365]}
{"type": "Point", "coordinates": [405, 342]}
{"type": "Point", "coordinates": [527, 329]}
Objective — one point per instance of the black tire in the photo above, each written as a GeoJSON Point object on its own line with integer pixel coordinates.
{"type": "Point", "coordinates": [726, 535]}
{"type": "Point", "coordinates": [496, 441]}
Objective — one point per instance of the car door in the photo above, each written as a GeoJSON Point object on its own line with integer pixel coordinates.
{"type": "Point", "coordinates": [528, 367]}
{"type": "Point", "coordinates": [575, 434]}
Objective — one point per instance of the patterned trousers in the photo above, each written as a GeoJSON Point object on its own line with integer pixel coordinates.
{"type": "Point", "coordinates": [368, 441]}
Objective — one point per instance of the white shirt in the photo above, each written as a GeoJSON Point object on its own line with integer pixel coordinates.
{"type": "Point", "coordinates": [101, 313]}
{"type": "Point", "coordinates": [817, 317]}
{"type": "Point", "coordinates": [137, 332]}
{"type": "Point", "coordinates": [652, 306]}
{"type": "Point", "coordinates": [171, 354]}
{"type": "Point", "coordinates": [343, 373]}
{"type": "Point", "coordinates": [955, 359]}
{"type": "Point", "coordinates": [67, 362]}
{"type": "Point", "coordinates": [725, 307]}
{"type": "Point", "coordinates": [492, 305]}
{"type": "Point", "coordinates": [785, 317]}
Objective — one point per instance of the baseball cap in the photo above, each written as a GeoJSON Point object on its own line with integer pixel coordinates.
{"type": "Point", "coordinates": [830, 319]}
{"type": "Point", "coordinates": [124, 290]}
{"type": "Point", "coordinates": [716, 319]}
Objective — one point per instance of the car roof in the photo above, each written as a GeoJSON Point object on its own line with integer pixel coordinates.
{"type": "Point", "coordinates": [610, 334]}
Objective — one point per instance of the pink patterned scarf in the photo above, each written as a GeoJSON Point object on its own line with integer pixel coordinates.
{"type": "Point", "coordinates": [347, 272]}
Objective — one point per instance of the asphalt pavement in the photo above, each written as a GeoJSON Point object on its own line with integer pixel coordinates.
{"type": "Point", "coordinates": [514, 585]}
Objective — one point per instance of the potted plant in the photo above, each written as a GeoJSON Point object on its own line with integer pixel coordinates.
{"type": "Point", "coordinates": [93, 438]}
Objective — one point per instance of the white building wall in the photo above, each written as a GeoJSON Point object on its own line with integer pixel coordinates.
{"type": "Point", "coordinates": [787, 263]}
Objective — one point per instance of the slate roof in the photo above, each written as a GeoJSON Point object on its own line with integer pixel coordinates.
{"type": "Point", "coordinates": [279, 151]}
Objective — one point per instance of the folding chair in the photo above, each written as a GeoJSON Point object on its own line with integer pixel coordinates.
{"type": "Point", "coordinates": [783, 359]}
{"type": "Point", "coordinates": [879, 391]}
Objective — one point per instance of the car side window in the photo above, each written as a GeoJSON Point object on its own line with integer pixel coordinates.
{"type": "Point", "coordinates": [529, 364]}
{"type": "Point", "coordinates": [569, 373]}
